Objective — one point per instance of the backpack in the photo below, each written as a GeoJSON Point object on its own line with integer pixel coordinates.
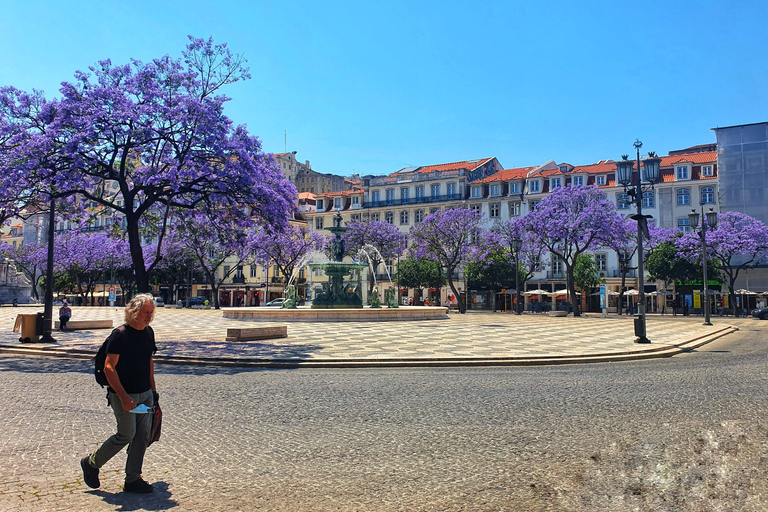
{"type": "Point", "coordinates": [101, 358]}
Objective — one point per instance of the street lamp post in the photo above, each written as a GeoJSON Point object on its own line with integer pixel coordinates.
{"type": "Point", "coordinates": [624, 176]}
{"type": "Point", "coordinates": [48, 307]}
{"type": "Point", "coordinates": [517, 244]}
{"type": "Point", "coordinates": [708, 221]}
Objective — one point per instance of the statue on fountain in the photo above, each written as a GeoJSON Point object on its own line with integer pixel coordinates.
{"type": "Point", "coordinates": [374, 301]}
{"type": "Point", "coordinates": [290, 301]}
{"type": "Point", "coordinates": [390, 298]}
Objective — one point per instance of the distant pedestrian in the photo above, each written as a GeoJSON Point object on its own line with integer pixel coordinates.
{"type": "Point", "coordinates": [410, 301]}
{"type": "Point", "coordinates": [130, 371]}
{"type": "Point", "coordinates": [15, 302]}
{"type": "Point", "coordinates": [65, 313]}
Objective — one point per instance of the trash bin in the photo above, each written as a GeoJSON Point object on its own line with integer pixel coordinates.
{"type": "Point", "coordinates": [28, 325]}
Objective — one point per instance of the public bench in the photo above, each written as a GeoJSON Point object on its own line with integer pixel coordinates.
{"type": "Point", "coordinates": [78, 325]}
{"type": "Point", "coordinates": [257, 333]}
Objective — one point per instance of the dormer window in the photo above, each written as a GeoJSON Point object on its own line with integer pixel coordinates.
{"type": "Point", "coordinates": [534, 186]}
{"type": "Point", "coordinates": [476, 192]}
{"type": "Point", "coordinates": [555, 183]}
{"type": "Point", "coordinates": [337, 203]}
{"type": "Point", "coordinates": [495, 190]}
{"type": "Point", "coordinates": [563, 169]}
{"type": "Point", "coordinates": [707, 171]}
{"type": "Point", "coordinates": [514, 188]}
{"type": "Point", "coordinates": [320, 204]}
{"type": "Point", "coordinates": [600, 181]}
{"type": "Point", "coordinates": [577, 181]}
{"type": "Point", "coordinates": [682, 173]}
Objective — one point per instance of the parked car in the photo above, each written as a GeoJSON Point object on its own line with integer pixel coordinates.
{"type": "Point", "coordinates": [761, 313]}
{"type": "Point", "coordinates": [276, 303]}
{"type": "Point", "coordinates": [194, 301]}
{"type": "Point", "coordinates": [159, 302]}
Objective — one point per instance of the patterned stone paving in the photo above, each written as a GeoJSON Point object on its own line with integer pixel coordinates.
{"type": "Point", "coordinates": [200, 333]}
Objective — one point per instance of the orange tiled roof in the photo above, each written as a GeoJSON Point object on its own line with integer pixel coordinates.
{"type": "Point", "coordinates": [306, 195]}
{"type": "Point", "coordinates": [602, 167]}
{"type": "Point", "coordinates": [466, 164]}
{"type": "Point", "coordinates": [507, 174]}
{"type": "Point", "coordinates": [707, 157]}
{"type": "Point", "coordinates": [341, 193]}
{"type": "Point", "coordinates": [551, 172]}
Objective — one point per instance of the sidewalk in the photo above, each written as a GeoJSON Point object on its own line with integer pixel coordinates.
{"type": "Point", "coordinates": [477, 339]}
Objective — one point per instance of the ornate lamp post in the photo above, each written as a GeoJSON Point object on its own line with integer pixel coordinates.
{"type": "Point", "coordinates": [517, 244]}
{"type": "Point", "coordinates": [708, 221]}
{"type": "Point", "coordinates": [624, 176]}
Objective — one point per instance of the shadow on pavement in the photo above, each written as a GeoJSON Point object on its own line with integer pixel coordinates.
{"type": "Point", "coordinates": [20, 363]}
{"type": "Point", "coordinates": [158, 500]}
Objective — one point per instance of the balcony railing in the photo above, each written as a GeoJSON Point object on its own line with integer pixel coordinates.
{"type": "Point", "coordinates": [238, 279]}
{"type": "Point", "coordinates": [413, 200]}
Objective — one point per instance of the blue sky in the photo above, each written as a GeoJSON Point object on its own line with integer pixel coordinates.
{"type": "Point", "coordinates": [371, 87]}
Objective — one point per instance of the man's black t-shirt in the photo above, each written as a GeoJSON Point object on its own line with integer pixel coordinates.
{"type": "Point", "coordinates": [135, 349]}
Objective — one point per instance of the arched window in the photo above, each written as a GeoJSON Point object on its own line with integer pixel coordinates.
{"type": "Point", "coordinates": [683, 197]}
{"type": "Point", "coordinates": [389, 218]}
{"type": "Point", "coordinates": [708, 195]}
{"type": "Point", "coordinates": [649, 199]}
{"type": "Point", "coordinates": [622, 201]}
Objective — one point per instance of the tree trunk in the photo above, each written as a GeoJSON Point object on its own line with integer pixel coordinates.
{"type": "Point", "coordinates": [620, 305]}
{"type": "Point", "coordinates": [462, 303]}
{"type": "Point", "coordinates": [137, 255]}
{"type": "Point", "coordinates": [572, 291]}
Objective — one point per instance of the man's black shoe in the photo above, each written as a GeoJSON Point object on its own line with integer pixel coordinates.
{"type": "Point", "coordinates": [138, 486]}
{"type": "Point", "coordinates": [90, 473]}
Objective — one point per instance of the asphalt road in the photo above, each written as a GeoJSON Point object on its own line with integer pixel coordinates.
{"type": "Point", "coordinates": [680, 434]}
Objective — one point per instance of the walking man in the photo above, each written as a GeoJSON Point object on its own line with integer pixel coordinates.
{"type": "Point", "coordinates": [129, 369]}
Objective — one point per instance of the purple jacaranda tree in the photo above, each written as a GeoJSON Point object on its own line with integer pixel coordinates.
{"type": "Point", "coordinates": [285, 250]}
{"type": "Point", "coordinates": [213, 239]}
{"type": "Point", "coordinates": [738, 242]}
{"type": "Point", "coordinates": [85, 258]}
{"type": "Point", "coordinates": [29, 153]}
{"type": "Point", "coordinates": [529, 256]}
{"type": "Point", "coordinates": [573, 221]}
{"type": "Point", "coordinates": [374, 242]}
{"type": "Point", "coordinates": [448, 237]}
{"type": "Point", "coordinates": [177, 265]}
{"type": "Point", "coordinates": [146, 139]}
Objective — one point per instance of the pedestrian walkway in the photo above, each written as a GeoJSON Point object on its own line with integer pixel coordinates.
{"type": "Point", "coordinates": [196, 336]}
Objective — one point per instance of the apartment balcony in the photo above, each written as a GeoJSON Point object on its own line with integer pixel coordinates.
{"type": "Point", "coordinates": [238, 279]}
{"type": "Point", "coordinates": [413, 201]}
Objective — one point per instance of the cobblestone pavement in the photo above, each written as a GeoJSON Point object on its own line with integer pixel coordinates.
{"type": "Point", "coordinates": [201, 333]}
{"type": "Point", "coordinates": [680, 434]}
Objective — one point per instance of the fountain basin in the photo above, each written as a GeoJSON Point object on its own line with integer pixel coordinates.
{"type": "Point", "coordinates": [366, 314]}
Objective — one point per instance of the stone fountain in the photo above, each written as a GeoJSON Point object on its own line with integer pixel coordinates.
{"type": "Point", "coordinates": [343, 289]}
{"type": "Point", "coordinates": [340, 298]}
